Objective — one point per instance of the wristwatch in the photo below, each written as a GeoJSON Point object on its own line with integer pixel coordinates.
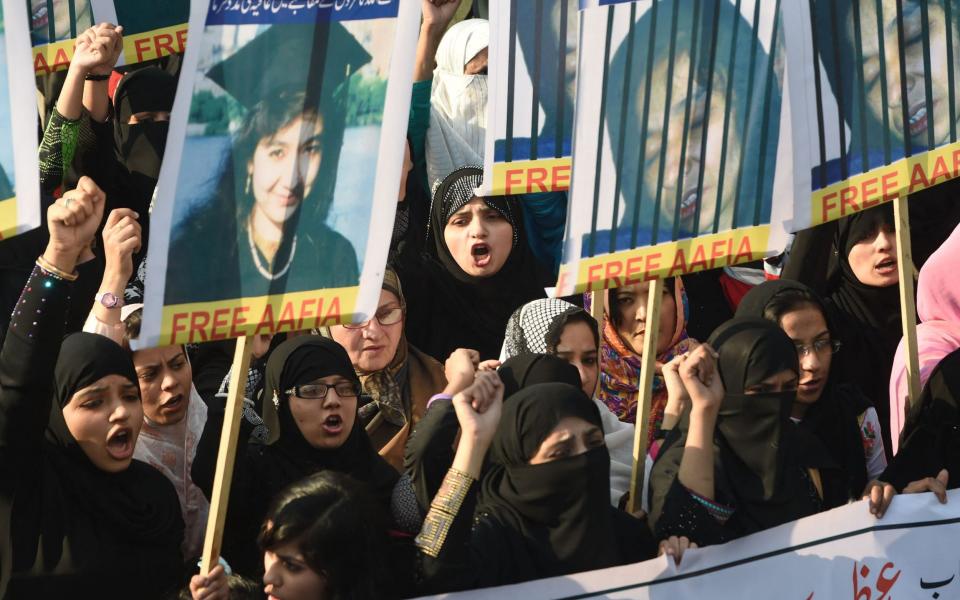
{"type": "Point", "coordinates": [109, 300]}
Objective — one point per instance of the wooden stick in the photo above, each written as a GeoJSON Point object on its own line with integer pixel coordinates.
{"type": "Point", "coordinates": [226, 455]}
{"type": "Point", "coordinates": [597, 306]}
{"type": "Point", "coordinates": [645, 387]}
{"type": "Point", "coordinates": [908, 307]}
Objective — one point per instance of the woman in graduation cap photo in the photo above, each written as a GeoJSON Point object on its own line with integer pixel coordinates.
{"type": "Point", "coordinates": [263, 231]}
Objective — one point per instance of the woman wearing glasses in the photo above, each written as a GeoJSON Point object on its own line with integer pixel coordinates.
{"type": "Point", "coordinates": [311, 410]}
{"type": "Point", "coordinates": [836, 411]}
{"type": "Point", "coordinates": [397, 377]}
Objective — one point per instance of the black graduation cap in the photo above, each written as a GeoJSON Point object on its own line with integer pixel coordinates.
{"type": "Point", "coordinates": [317, 58]}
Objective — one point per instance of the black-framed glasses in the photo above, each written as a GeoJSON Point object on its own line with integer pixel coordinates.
{"type": "Point", "coordinates": [386, 315]}
{"type": "Point", "coordinates": [819, 347]}
{"type": "Point", "coordinates": [318, 391]}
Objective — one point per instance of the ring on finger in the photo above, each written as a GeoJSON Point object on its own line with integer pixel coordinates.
{"type": "Point", "coordinates": [66, 201]}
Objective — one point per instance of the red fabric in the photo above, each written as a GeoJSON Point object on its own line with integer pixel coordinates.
{"type": "Point", "coordinates": [733, 290]}
{"type": "Point", "coordinates": [115, 78]}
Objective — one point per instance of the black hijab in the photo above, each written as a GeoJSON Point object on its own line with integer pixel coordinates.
{"type": "Point", "coordinates": [752, 426]}
{"type": "Point", "coordinates": [302, 360]}
{"type": "Point", "coordinates": [931, 435]}
{"type": "Point", "coordinates": [93, 511]}
{"type": "Point", "coordinates": [834, 417]}
{"type": "Point", "coordinates": [869, 316]}
{"type": "Point", "coordinates": [525, 370]}
{"type": "Point", "coordinates": [561, 509]}
{"type": "Point", "coordinates": [475, 310]}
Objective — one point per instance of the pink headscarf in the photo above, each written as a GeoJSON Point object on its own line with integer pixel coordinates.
{"type": "Point", "coordinates": [938, 334]}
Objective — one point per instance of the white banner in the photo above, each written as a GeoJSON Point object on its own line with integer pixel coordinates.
{"type": "Point", "coordinates": [843, 554]}
{"type": "Point", "coordinates": [19, 171]}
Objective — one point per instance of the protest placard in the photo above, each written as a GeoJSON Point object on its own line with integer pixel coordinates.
{"type": "Point", "coordinates": [532, 80]}
{"type": "Point", "coordinates": [277, 193]}
{"type": "Point", "coordinates": [151, 29]}
{"type": "Point", "coordinates": [843, 554]}
{"type": "Point", "coordinates": [874, 99]}
{"type": "Point", "coordinates": [671, 179]}
{"type": "Point", "coordinates": [19, 171]}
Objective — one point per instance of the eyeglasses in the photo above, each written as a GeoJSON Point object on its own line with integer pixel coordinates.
{"type": "Point", "coordinates": [387, 315]}
{"type": "Point", "coordinates": [318, 391]}
{"type": "Point", "coordinates": [819, 347]}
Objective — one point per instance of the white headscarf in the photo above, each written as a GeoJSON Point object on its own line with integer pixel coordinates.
{"type": "Point", "coordinates": [458, 102]}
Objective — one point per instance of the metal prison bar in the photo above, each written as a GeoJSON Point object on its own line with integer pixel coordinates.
{"type": "Point", "coordinates": [539, 48]}
{"type": "Point", "coordinates": [691, 72]}
{"type": "Point", "coordinates": [600, 128]}
{"type": "Point", "coordinates": [726, 123]}
{"type": "Point", "coordinates": [625, 105]}
{"type": "Point", "coordinates": [746, 122]}
{"type": "Point", "coordinates": [861, 134]}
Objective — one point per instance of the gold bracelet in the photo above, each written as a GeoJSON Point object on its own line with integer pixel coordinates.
{"type": "Point", "coordinates": [52, 270]}
{"type": "Point", "coordinates": [443, 510]}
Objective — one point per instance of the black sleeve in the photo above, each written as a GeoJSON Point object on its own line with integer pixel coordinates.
{"type": "Point", "coordinates": [429, 451]}
{"type": "Point", "coordinates": [683, 515]}
{"type": "Point", "coordinates": [474, 555]}
{"type": "Point", "coordinates": [27, 363]}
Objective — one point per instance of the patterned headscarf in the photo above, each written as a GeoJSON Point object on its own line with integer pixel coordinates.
{"type": "Point", "coordinates": [535, 327]}
{"type": "Point", "coordinates": [620, 365]}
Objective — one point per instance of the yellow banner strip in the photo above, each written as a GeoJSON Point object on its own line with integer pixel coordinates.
{"type": "Point", "coordinates": [531, 176]}
{"type": "Point", "coordinates": [669, 259]}
{"type": "Point", "coordinates": [220, 320]}
{"type": "Point", "coordinates": [137, 48]}
{"type": "Point", "coordinates": [8, 218]}
{"type": "Point", "coordinates": [883, 184]}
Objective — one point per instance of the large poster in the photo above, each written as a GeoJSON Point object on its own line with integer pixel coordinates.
{"type": "Point", "coordinates": [874, 92]}
{"type": "Point", "coordinates": [19, 171]}
{"type": "Point", "coordinates": [533, 58]}
{"type": "Point", "coordinates": [152, 28]}
{"type": "Point", "coordinates": [843, 554]}
{"type": "Point", "coordinates": [682, 141]}
{"type": "Point", "coordinates": [277, 196]}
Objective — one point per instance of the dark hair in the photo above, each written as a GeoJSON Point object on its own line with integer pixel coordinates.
{"type": "Point", "coordinates": [131, 327]}
{"type": "Point", "coordinates": [670, 287]}
{"type": "Point", "coordinates": [790, 300]}
{"type": "Point", "coordinates": [578, 316]}
{"type": "Point", "coordinates": [240, 587]}
{"type": "Point", "coordinates": [338, 529]}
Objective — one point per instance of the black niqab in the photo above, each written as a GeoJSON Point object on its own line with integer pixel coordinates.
{"type": "Point", "coordinates": [834, 417]}
{"type": "Point", "coordinates": [525, 370]}
{"type": "Point", "coordinates": [560, 509]}
{"type": "Point", "coordinates": [753, 425]}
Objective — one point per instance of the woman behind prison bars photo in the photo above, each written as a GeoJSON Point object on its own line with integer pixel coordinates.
{"type": "Point", "coordinates": [708, 160]}
{"type": "Point", "coordinates": [269, 208]}
{"type": "Point", "coordinates": [888, 106]}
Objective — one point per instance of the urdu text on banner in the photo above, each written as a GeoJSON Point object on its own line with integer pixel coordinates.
{"type": "Point", "coordinates": [842, 554]}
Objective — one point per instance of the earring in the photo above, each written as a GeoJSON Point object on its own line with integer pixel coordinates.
{"type": "Point", "coordinates": [249, 180]}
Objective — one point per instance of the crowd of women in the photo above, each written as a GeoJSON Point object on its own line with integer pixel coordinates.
{"type": "Point", "coordinates": [472, 432]}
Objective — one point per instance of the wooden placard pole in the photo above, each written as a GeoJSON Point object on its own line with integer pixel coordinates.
{"type": "Point", "coordinates": [597, 306]}
{"type": "Point", "coordinates": [908, 306]}
{"type": "Point", "coordinates": [644, 400]}
{"type": "Point", "coordinates": [226, 455]}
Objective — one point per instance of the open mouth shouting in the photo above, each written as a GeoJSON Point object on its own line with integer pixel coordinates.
{"type": "Point", "coordinates": [333, 425]}
{"type": "Point", "coordinates": [917, 123]}
{"type": "Point", "coordinates": [120, 443]}
{"type": "Point", "coordinates": [887, 266]}
{"type": "Point", "coordinates": [480, 252]}
{"type": "Point", "coordinates": [688, 204]}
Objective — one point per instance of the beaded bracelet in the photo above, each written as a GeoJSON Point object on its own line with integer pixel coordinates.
{"type": "Point", "coordinates": [53, 271]}
{"type": "Point", "coordinates": [718, 511]}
